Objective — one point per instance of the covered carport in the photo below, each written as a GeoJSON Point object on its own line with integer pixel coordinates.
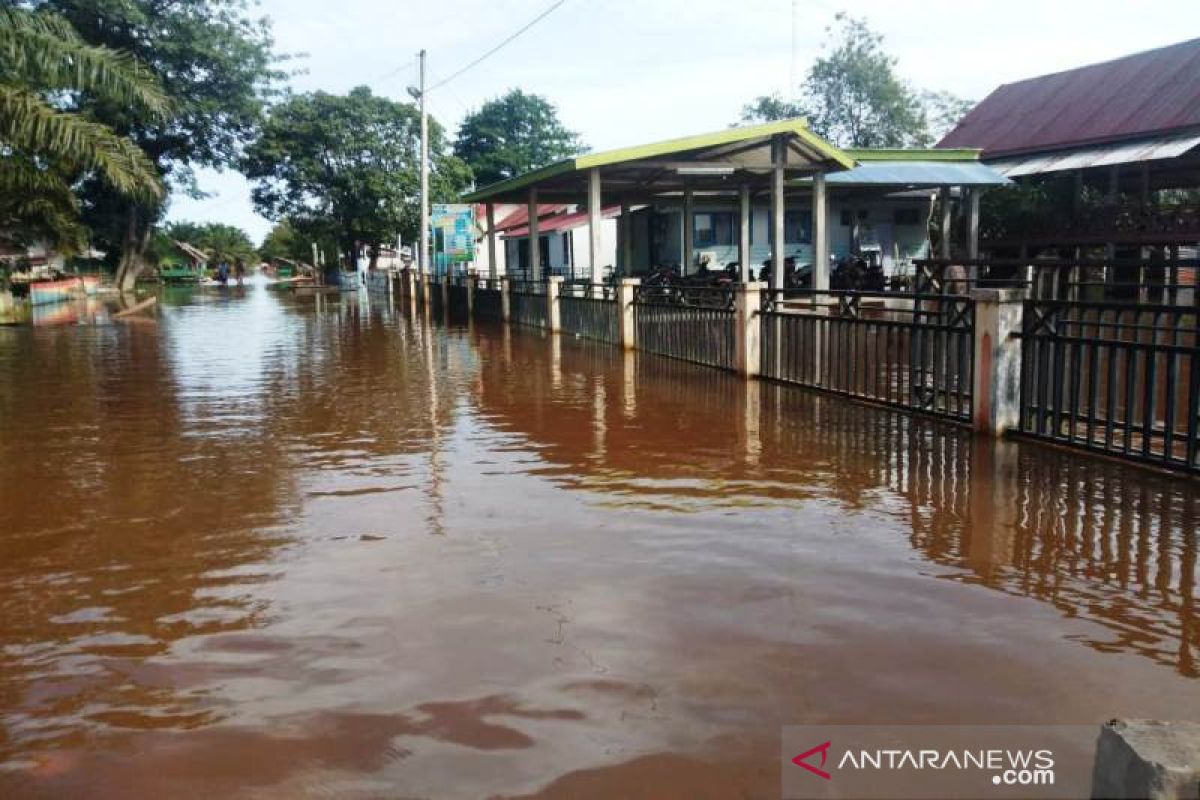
{"type": "Point", "coordinates": [737, 162]}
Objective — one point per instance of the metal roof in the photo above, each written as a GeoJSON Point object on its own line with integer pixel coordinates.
{"type": "Point", "coordinates": [1148, 93]}
{"type": "Point", "coordinates": [1099, 155]}
{"type": "Point", "coordinates": [915, 174]}
{"type": "Point", "coordinates": [653, 168]}
{"type": "Point", "coordinates": [562, 222]}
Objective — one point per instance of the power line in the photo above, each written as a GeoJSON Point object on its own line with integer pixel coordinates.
{"type": "Point", "coordinates": [477, 61]}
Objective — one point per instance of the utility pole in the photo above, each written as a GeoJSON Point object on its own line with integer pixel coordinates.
{"type": "Point", "coordinates": [424, 174]}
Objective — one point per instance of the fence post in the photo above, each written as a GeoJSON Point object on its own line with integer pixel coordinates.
{"type": "Point", "coordinates": [445, 286]}
{"type": "Point", "coordinates": [748, 329]}
{"type": "Point", "coordinates": [996, 384]}
{"type": "Point", "coordinates": [553, 316]}
{"type": "Point", "coordinates": [625, 292]}
{"type": "Point", "coordinates": [472, 279]}
{"type": "Point", "coordinates": [505, 313]}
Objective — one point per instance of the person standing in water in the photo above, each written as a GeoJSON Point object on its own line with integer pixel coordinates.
{"type": "Point", "coordinates": [223, 273]}
{"type": "Point", "coordinates": [239, 271]}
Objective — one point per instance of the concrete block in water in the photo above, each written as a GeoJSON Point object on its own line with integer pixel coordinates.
{"type": "Point", "coordinates": [1147, 759]}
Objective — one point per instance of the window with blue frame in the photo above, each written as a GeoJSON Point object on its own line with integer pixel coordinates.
{"type": "Point", "coordinates": [797, 227]}
{"type": "Point", "coordinates": [712, 228]}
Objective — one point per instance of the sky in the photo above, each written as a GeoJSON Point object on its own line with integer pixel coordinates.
{"type": "Point", "coordinates": [624, 72]}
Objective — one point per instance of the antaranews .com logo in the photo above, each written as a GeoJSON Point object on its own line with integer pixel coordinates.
{"type": "Point", "coordinates": [937, 761]}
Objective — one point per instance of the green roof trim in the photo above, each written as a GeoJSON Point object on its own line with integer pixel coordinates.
{"type": "Point", "coordinates": [796, 127]}
{"type": "Point", "coordinates": [912, 154]}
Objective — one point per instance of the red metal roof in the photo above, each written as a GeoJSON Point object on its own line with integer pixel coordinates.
{"type": "Point", "coordinates": [563, 222]}
{"type": "Point", "coordinates": [1143, 94]}
{"type": "Point", "coordinates": [521, 215]}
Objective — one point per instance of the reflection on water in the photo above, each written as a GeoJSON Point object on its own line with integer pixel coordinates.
{"type": "Point", "coordinates": [292, 545]}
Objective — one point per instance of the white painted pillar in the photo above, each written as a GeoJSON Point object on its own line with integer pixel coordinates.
{"type": "Point", "coordinates": [689, 230]}
{"type": "Point", "coordinates": [748, 329]}
{"type": "Point", "coordinates": [778, 162]}
{"type": "Point", "coordinates": [625, 293]}
{"type": "Point", "coordinates": [595, 218]}
{"type": "Point", "coordinates": [553, 309]}
{"type": "Point", "coordinates": [626, 239]}
{"type": "Point", "coordinates": [996, 382]}
{"type": "Point", "coordinates": [944, 196]}
{"type": "Point", "coordinates": [820, 233]}
{"type": "Point", "coordinates": [535, 249]}
{"type": "Point", "coordinates": [493, 267]}
{"type": "Point", "coordinates": [744, 234]}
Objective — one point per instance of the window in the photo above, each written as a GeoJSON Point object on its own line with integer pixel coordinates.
{"type": "Point", "coordinates": [907, 216]}
{"type": "Point", "coordinates": [713, 228]}
{"type": "Point", "coordinates": [797, 227]}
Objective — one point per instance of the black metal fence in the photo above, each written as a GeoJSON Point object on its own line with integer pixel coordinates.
{"type": "Point", "coordinates": [487, 299]}
{"type": "Point", "coordinates": [590, 310]}
{"type": "Point", "coordinates": [907, 350]}
{"type": "Point", "coordinates": [693, 324]}
{"type": "Point", "coordinates": [1122, 379]}
{"type": "Point", "coordinates": [527, 303]}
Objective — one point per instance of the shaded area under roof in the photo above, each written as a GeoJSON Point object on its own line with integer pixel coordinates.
{"type": "Point", "coordinates": [731, 156]}
{"type": "Point", "coordinates": [1154, 92]}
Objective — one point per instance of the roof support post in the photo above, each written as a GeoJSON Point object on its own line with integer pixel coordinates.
{"type": "Point", "coordinates": [626, 240]}
{"type": "Point", "coordinates": [689, 229]}
{"type": "Point", "coordinates": [595, 218]}
{"type": "Point", "coordinates": [820, 234]}
{"type": "Point", "coordinates": [744, 233]}
{"type": "Point", "coordinates": [535, 249]}
{"type": "Point", "coordinates": [493, 266]}
{"type": "Point", "coordinates": [778, 161]}
{"type": "Point", "coordinates": [944, 245]}
{"type": "Point", "coordinates": [973, 222]}
{"type": "Point", "coordinates": [1114, 187]}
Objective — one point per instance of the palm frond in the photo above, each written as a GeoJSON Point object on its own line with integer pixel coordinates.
{"type": "Point", "coordinates": [28, 123]}
{"type": "Point", "coordinates": [44, 50]}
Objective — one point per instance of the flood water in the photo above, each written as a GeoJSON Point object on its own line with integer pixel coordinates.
{"type": "Point", "coordinates": [282, 547]}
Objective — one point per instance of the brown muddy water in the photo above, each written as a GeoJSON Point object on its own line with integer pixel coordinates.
{"type": "Point", "coordinates": [282, 547]}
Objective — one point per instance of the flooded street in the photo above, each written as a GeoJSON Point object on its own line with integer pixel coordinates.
{"type": "Point", "coordinates": [280, 547]}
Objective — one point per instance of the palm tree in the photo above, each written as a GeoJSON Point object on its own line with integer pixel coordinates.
{"type": "Point", "coordinates": [44, 148]}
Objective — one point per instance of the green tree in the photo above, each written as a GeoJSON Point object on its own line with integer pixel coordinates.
{"type": "Point", "coordinates": [347, 167]}
{"type": "Point", "coordinates": [511, 135]}
{"type": "Point", "coordinates": [221, 242]}
{"type": "Point", "coordinates": [46, 148]}
{"type": "Point", "coordinates": [216, 66]}
{"type": "Point", "coordinates": [944, 111]}
{"type": "Point", "coordinates": [853, 96]}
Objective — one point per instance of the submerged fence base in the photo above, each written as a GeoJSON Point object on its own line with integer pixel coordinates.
{"type": "Point", "coordinates": [988, 358]}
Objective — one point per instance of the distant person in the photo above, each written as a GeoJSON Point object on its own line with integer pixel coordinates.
{"type": "Point", "coordinates": [239, 271]}
{"type": "Point", "coordinates": [223, 274]}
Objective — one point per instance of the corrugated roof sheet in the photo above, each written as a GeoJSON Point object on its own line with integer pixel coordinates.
{"type": "Point", "coordinates": [563, 222]}
{"type": "Point", "coordinates": [520, 216]}
{"type": "Point", "coordinates": [903, 174]}
{"type": "Point", "coordinates": [1157, 91]}
{"type": "Point", "coordinates": [1098, 155]}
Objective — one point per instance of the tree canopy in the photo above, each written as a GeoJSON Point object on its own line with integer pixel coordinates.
{"type": "Point", "coordinates": [221, 242]}
{"type": "Point", "coordinates": [215, 65]}
{"type": "Point", "coordinates": [511, 135]}
{"type": "Point", "coordinates": [853, 96]}
{"type": "Point", "coordinates": [348, 166]}
{"type": "Point", "coordinates": [46, 148]}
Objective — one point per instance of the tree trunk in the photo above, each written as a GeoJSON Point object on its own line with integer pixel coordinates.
{"type": "Point", "coordinates": [133, 249]}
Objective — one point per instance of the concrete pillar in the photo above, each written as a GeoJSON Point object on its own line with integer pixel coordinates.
{"type": "Point", "coordinates": [505, 293]}
{"type": "Point", "coordinates": [1148, 759]}
{"type": "Point", "coordinates": [625, 294]}
{"type": "Point", "coordinates": [595, 219]}
{"type": "Point", "coordinates": [689, 230]}
{"type": "Point", "coordinates": [535, 249]}
{"type": "Point", "coordinates": [748, 329]}
{"type": "Point", "coordinates": [996, 386]}
{"type": "Point", "coordinates": [493, 267]}
{"type": "Point", "coordinates": [471, 281]}
{"type": "Point", "coordinates": [744, 270]}
{"type": "Point", "coordinates": [626, 239]}
{"type": "Point", "coordinates": [820, 235]}
{"type": "Point", "coordinates": [778, 162]}
{"type": "Point", "coordinates": [945, 200]}
{"type": "Point", "coordinates": [553, 311]}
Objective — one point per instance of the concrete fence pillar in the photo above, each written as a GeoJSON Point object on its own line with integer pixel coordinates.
{"type": "Point", "coordinates": [748, 328]}
{"type": "Point", "coordinates": [505, 292]}
{"type": "Point", "coordinates": [996, 385]}
{"type": "Point", "coordinates": [625, 295]}
{"type": "Point", "coordinates": [472, 279]}
{"type": "Point", "coordinates": [553, 309]}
